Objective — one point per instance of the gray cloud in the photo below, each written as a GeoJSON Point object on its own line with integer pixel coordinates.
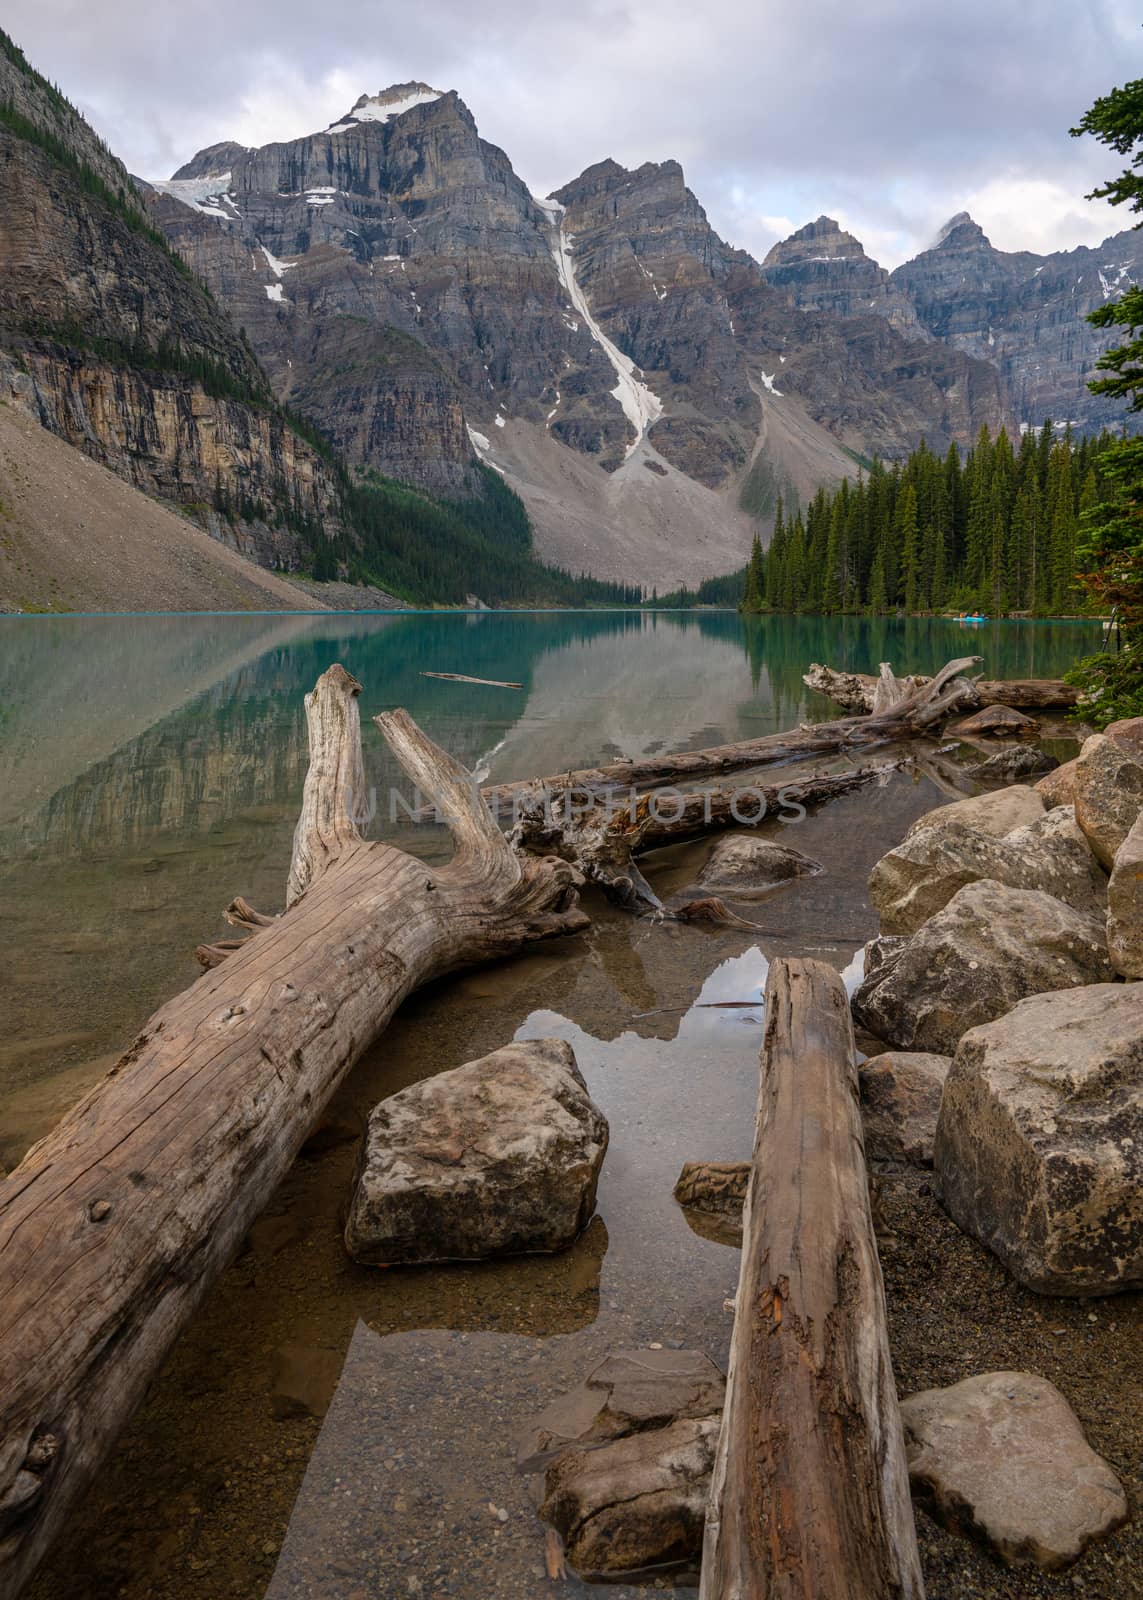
{"type": "Point", "coordinates": [892, 115]}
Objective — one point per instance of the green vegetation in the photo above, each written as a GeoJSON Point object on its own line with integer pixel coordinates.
{"type": "Point", "coordinates": [169, 357]}
{"type": "Point", "coordinates": [995, 532]}
{"type": "Point", "coordinates": [1110, 535]}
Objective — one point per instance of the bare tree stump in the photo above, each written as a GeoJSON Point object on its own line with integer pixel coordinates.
{"type": "Point", "coordinates": [114, 1226]}
{"type": "Point", "coordinates": [810, 1493]}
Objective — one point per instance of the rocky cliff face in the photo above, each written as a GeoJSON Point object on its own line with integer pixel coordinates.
{"type": "Point", "coordinates": [1025, 313]}
{"type": "Point", "coordinates": [397, 281]}
{"type": "Point", "coordinates": [110, 341]}
{"type": "Point", "coordinates": [827, 270]}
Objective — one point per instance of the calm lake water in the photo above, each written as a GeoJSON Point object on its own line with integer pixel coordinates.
{"type": "Point", "coordinates": [151, 769]}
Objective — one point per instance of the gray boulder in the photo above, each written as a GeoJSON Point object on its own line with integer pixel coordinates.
{"type": "Point", "coordinates": [997, 812]}
{"type": "Point", "coordinates": [970, 963]}
{"type": "Point", "coordinates": [1013, 765]}
{"type": "Point", "coordinates": [900, 1104]}
{"type": "Point", "coordinates": [919, 878]}
{"type": "Point", "coordinates": [1058, 788]}
{"type": "Point", "coordinates": [1125, 905]}
{"type": "Point", "coordinates": [499, 1157]}
{"type": "Point", "coordinates": [1108, 795]}
{"type": "Point", "coordinates": [742, 863]}
{"type": "Point", "coordinates": [1003, 1457]}
{"type": "Point", "coordinates": [1127, 733]}
{"type": "Point", "coordinates": [1039, 1149]}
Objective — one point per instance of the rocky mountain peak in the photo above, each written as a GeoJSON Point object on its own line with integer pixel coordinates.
{"type": "Point", "coordinates": [960, 231]}
{"type": "Point", "coordinates": [387, 104]}
{"type": "Point", "coordinates": [216, 161]}
{"type": "Point", "coordinates": [821, 240]}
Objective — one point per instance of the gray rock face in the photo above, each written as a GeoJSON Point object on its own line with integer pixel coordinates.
{"type": "Point", "coordinates": [635, 1504]}
{"type": "Point", "coordinates": [826, 269]}
{"type": "Point", "coordinates": [920, 877]}
{"type": "Point", "coordinates": [1002, 1456]}
{"type": "Point", "coordinates": [498, 1157]}
{"type": "Point", "coordinates": [1039, 1150]}
{"type": "Point", "coordinates": [900, 1104]}
{"type": "Point", "coordinates": [631, 1391]}
{"type": "Point", "coordinates": [741, 863]}
{"type": "Point", "coordinates": [1025, 313]}
{"type": "Point", "coordinates": [627, 1459]}
{"type": "Point", "coordinates": [1125, 905]}
{"type": "Point", "coordinates": [996, 813]}
{"type": "Point", "coordinates": [970, 963]}
{"type": "Point", "coordinates": [1108, 795]}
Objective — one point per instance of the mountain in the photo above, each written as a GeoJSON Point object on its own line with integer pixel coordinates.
{"type": "Point", "coordinates": [827, 270]}
{"type": "Point", "coordinates": [603, 349]}
{"type": "Point", "coordinates": [1022, 313]}
{"type": "Point", "coordinates": [108, 340]}
{"type": "Point", "coordinates": [1025, 313]}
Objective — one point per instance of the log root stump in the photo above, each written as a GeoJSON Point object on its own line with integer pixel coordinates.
{"type": "Point", "coordinates": [115, 1226]}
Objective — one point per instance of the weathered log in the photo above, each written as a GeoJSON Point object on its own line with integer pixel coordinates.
{"type": "Point", "coordinates": [603, 840]}
{"type": "Point", "coordinates": [810, 1493]}
{"type": "Point", "coordinates": [114, 1226]}
{"type": "Point", "coordinates": [858, 691]}
{"type": "Point", "coordinates": [915, 713]}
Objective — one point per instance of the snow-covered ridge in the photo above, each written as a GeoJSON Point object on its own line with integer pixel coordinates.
{"type": "Point", "coordinates": [641, 406]}
{"type": "Point", "coordinates": [390, 103]}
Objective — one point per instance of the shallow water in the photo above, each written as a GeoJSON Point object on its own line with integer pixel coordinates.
{"type": "Point", "coordinates": [149, 771]}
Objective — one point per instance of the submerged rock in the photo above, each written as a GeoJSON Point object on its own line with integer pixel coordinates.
{"type": "Point", "coordinates": [970, 963]}
{"type": "Point", "coordinates": [1039, 1149]}
{"type": "Point", "coordinates": [900, 1104]}
{"type": "Point", "coordinates": [997, 812]}
{"type": "Point", "coordinates": [919, 878]}
{"type": "Point", "coordinates": [1108, 795]}
{"type": "Point", "coordinates": [631, 1391]}
{"type": "Point", "coordinates": [1012, 765]}
{"type": "Point", "coordinates": [1003, 1457]}
{"type": "Point", "coordinates": [1125, 905]}
{"type": "Point", "coordinates": [498, 1157]}
{"type": "Point", "coordinates": [743, 863]}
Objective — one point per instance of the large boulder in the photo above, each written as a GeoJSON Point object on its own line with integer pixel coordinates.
{"type": "Point", "coordinates": [1108, 795]}
{"type": "Point", "coordinates": [990, 947]}
{"type": "Point", "coordinates": [498, 1157]}
{"type": "Point", "coordinates": [1058, 788]}
{"type": "Point", "coordinates": [1003, 1457]}
{"type": "Point", "coordinates": [1125, 905]}
{"type": "Point", "coordinates": [998, 722]}
{"type": "Point", "coordinates": [1127, 733]}
{"type": "Point", "coordinates": [919, 878]}
{"type": "Point", "coordinates": [742, 863]}
{"type": "Point", "coordinates": [900, 1103]}
{"type": "Point", "coordinates": [1039, 1149]}
{"type": "Point", "coordinates": [997, 812]}
{"type": "Point", "coordinates": [1015, 764]}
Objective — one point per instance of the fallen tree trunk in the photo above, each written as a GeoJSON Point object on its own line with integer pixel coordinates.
{"type": "Point", "coordinates": [116, 1224]}
{"type": "Point", "coordinates": [810, 1492]}
{"type": "Point", "coordinates": [857, 691]}
{"type": "Point", "coordinates": [603, 840]}
{"type": "Point", "coordinates": [917, 710]}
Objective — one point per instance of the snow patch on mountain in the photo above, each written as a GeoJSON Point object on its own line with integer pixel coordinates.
{"type": "Point", "coordinates": [641, 406]}
{"type": "Point", "coordinates": [390, 103]}
{"type": "Point", "coordinates": [768, 382]}
{"type": "Point", "coordinates": [276, 266]}
{"type": "Point", "coordinates": [210, 196]}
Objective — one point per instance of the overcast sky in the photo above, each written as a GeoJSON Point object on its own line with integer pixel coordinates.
{"type": "Point", "coordinates": [889, 114]}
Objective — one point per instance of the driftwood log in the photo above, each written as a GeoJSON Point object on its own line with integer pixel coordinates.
{"type": "Point", "coordinates": [114, 1226]}
{"type": "Point", "coordinates": [915, 710]}
{"type": "Point", "coordinates": [857, 691]}
{"type": "Point", "coordinates": [603, 840]}
{"type": "Point", "coordinates": [810, 1491]}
